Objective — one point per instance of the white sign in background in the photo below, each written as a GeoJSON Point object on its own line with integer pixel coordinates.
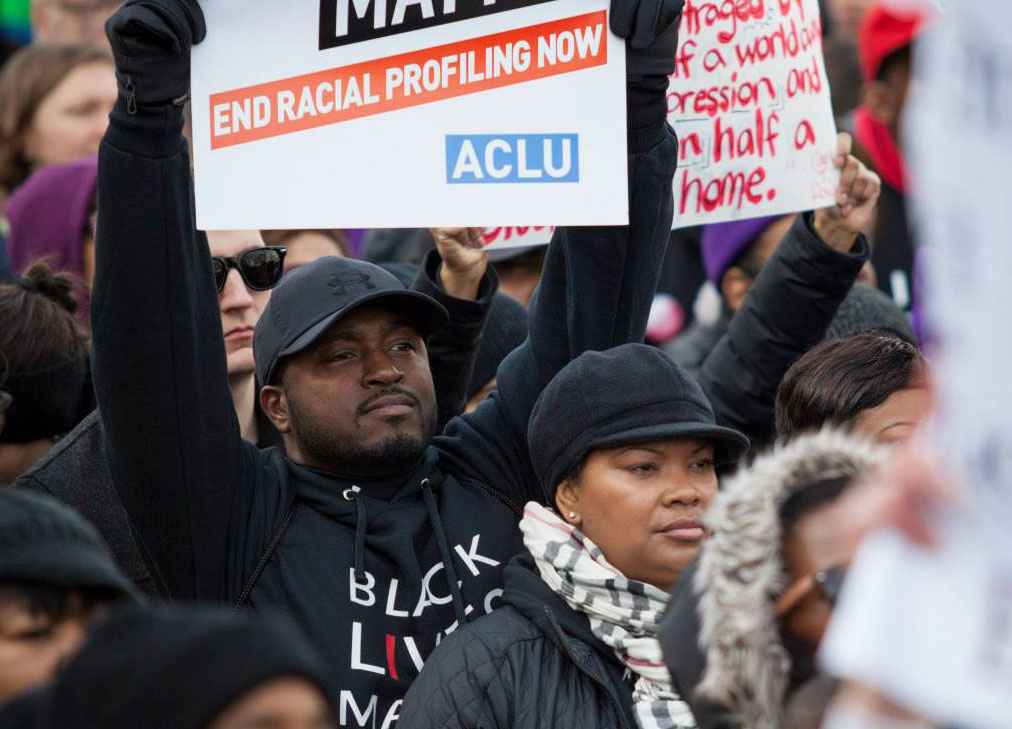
{"type": "Point", "coordinates": [390, 169]}
{"type": "Point", "coordinates": [518, 237]}
{"type": "Point", "coordinates": [750, 102]}
{"type": "Point", "coordinates": [934, 630]}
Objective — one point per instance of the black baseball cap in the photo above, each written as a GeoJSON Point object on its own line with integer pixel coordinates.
{"type": "Point", "coordinates": [627, 395]}
{"type": "Point", "coordinates": [312, 297]}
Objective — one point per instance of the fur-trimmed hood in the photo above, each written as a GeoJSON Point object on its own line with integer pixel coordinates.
{"type": "Point", "coordinates": [741, 572]}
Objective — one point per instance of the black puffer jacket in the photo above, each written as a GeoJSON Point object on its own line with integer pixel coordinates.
{"type": "Point", "coordinates": [530, 664]}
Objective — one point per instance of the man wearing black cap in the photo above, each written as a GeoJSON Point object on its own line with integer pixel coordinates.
{"type": "Point", "coordinates": [56, 574]}
{"type": "Point", "coordinates": [377, 535]}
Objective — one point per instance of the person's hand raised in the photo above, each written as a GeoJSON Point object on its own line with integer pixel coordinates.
{"type": "Point", "coordinates": [856, 198]}
{"type": "Point", "coordinates": [650, 29]}
{"type": "Point", "coordinates": [151, 42]}
{"type": "Point", "coordinates": [464, 260]}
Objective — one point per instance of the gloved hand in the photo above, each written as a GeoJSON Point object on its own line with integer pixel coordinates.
{"type": "Point", "coordinates": [650, 28]}
{"type": "Point", "coordinates": [151, 41]}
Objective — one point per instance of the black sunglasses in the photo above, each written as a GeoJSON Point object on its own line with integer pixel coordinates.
{"type": "Point", "coordinates": [260, 268]}
{"type": "Point", "coordinates": [830, 582]}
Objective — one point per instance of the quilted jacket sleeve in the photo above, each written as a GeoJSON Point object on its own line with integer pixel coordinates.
{"type": "Point", "coordinates": [466, 684]}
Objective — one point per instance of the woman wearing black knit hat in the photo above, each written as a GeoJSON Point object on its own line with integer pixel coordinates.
{"type": "Point", "coordinates": [187, 668]}
{"type": "Point", "coordinates": [626, 447]}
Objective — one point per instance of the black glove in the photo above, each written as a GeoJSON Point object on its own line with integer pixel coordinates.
{"type": "Point", "coordinates": [151, 40]}
{"type": "Point", "coordinates": [650, 28]}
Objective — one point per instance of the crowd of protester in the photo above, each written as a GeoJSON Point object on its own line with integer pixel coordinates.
{"type": "Point", "coordinates": [263, 478]}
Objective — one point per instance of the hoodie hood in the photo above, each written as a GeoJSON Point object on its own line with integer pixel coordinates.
{"type": "Point", "coordinates": [741, 572]}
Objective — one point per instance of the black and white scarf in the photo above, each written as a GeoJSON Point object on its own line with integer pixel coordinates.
{"type": "Point", "coordinates": [624, 614]}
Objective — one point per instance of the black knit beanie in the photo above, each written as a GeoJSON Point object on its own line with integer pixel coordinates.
{"type": "Point", "coordinates": [867, 309]}
{"type": "Point", "coordinates": [174, 668]}
{"type": "Point", "coordinates": [505, 330]}
{"type": "Point", "coordinates": [45, 542]}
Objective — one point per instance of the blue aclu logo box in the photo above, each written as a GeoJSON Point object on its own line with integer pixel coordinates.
{"type": "Point", "coordinates": [497, 158]}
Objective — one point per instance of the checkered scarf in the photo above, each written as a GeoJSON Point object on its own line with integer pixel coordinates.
{"type": "Point", "coordinates": [623, 613]}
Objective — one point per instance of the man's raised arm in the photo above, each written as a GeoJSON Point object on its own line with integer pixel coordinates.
{"type": "Point", "coordinates": [173, 440]}
{"type": "Point", "coordinates": [598, 283]}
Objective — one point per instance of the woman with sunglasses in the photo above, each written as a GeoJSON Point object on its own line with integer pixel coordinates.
{"type": "Point", "coordinates": [761, 595]}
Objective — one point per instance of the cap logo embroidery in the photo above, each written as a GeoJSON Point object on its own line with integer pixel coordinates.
{"type": "Point", "coordinates": [341, 284]}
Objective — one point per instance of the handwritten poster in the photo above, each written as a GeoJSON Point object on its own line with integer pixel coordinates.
{"type": "Point", "coordinates": [518, 236]}
{"type": "Point", "coordinates": [933, 630]}
{"type": "Point", "coordinates": [367, 114]}
{"type": "Point", "coordinates": [750, 102]}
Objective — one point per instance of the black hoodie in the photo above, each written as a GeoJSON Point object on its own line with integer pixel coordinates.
{"type": "Point", "coordinates": [376, 573]}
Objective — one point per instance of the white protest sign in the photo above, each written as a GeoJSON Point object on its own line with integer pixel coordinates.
{"type": "Point", "coordinates": [518, 237]}
{"type": "Point", "coordinates": [409, 113]}
{"type": "Point", "coordinates": [751, 105]}
{"type": "Point", "coordinates": [934, 630]}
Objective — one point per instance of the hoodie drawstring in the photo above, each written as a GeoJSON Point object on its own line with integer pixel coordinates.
{"type": "Point", "coordinates": [360, 524]}
{"type": "Point", "coordinates": [444, 550]}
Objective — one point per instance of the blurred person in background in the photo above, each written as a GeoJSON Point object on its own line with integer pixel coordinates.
{"type": "Point", "coordinates": [76, 470]}
{"type": "Point", "coordinates": [519, 271]}
{"type": "Point", "coordinates": [72, 22]}
{"type": "Point", "coordinates": [505, 330]}
{"type": "Point", "coordinates": [186, 668]}
{"type": "Point", "coordinates": [5, 261]}
{"type": "Point", "coordinates": [305, 246]}
{"type": "Point", "coordinates": [747, 618]}
{"type": "Point", "coordinates": [733, 255]}
{"type": "Point", "coordinates": [54, 108]}
{"type": "Point", "coordinates": [56, 577]}
{"type": "Point", "coordinates": [841, 20]}
{"type": "Point", "coordinates": [887, 45]}
{"type": "Point", "coordinates": [53, 216]}
{"type": "Point", "coordinates": [875, 384]}
{"type": "Point", "coordinates": [46, 354]}
{"type": "Point", "coordinates": [5, 397]}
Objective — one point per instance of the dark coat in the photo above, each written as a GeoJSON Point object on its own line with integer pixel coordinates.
{"type": "Point", "coordinates": [375, 571]}
{"type": "Point", "coordinates": [5, 262]}
{"type": "Point", "coordinates": [740, 362]}
{"type": "Point", "coordinates": [532, 663]}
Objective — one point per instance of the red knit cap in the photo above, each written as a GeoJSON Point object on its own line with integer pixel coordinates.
{"type": "Point", "coordinates": [885, 31]}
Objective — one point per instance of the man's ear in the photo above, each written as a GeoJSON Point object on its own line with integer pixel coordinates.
{"type": "Point", "coordinates": [734, 287]}
{"type": "Point", "coordinates": [567, 501]}
{"type": "Point", "coordinates": [882, 102]}
{"type": "Point", "coordinates": [274, 403]}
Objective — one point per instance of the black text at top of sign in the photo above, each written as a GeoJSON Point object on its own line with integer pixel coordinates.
{"type": "Point", "coordinates": [343, 22]}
